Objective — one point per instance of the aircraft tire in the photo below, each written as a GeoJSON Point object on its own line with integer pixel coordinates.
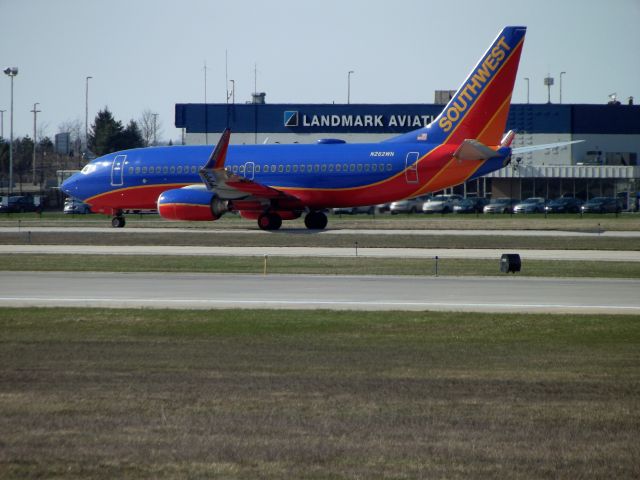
{"type": "Point", "coordinates": [315, 220]}
{"type": "Point", "coordinates": [117, 222]}
{"type": "Point", "coordinates": [269, 221]}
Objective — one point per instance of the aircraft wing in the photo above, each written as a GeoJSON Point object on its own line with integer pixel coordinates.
{"type": "Point", "coordinates": [534, 148]}
{"type": "Point", "coordinates": [229, 186]}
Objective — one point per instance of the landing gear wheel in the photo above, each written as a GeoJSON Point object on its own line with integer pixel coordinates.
{"type": "Point", "coordinates": [315, 220]}
{"type": "Point", "coordinates": [117, 222]}
{"type": "Point", "coordinates": [269, 221]}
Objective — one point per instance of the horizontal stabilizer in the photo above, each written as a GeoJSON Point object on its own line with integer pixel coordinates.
{"type": "Point", "coordinates": [474, 150]}
{"type": "Point", "coordinates": [535, 148]}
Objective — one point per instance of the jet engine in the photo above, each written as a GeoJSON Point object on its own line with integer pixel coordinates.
{"type": "Point", "coordinates": [191, 204]}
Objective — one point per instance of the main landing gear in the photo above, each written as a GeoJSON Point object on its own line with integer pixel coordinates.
{"type": "Point", "coordinates": [118, 220]}
{"type": "Point", "coordinates": [269, 221]}
{"type": "Point", "coordinates": [273, 221]}
{"type": "Point", "coordinates": [315, 220]}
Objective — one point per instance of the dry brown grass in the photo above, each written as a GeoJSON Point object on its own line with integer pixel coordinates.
{"type": "Point", "coordinates": [239, 394]}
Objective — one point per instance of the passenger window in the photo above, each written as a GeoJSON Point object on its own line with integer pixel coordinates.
{"type": "Point", "coordinates": [323, 167]}
{"type": "Point", "coordinates": [151, 169]}
{"type": "Point", "coordinates": [338, 167]}
{"type": "Point", "coordinates": [172, 169]}
{"type": "Point", "coordinates": [316, 168]}
{"type": "Point", "coordinates": [130, 169]}
{"type": "Point", "coordinates": [165, 170]}
{"type": "Point", "coordinates": [144, 169]}
{"type": "Point", "coordinates": [352, 168]}
{"type": "Point", "coordinates": [374, 167]}
{"type": "Point", "coordinates": [137, 169]}
{"type": "Point", "coordinates": [235, 169]}
{"type": "Point", "coordinates": [280, 168]}
{"type": "Point", "coordinates": [389, 167]}
{"type": "Point", "coordinates": [256, 169]}
{"type": "Point", "coordinates": [288, 168]}
{"type": "Point", "coordinates": [180, 169]}
{"type": "Point", "coordinates": [295, 169]}
{"type": "Point", "coordinates": [193, 169]}
{"type": "Point", "coordinates": [381, 167]}
{"type": "Point", "coordinates": [367, 167]}
{"type": "Point", "coordinates": [331, 167]}
{"type": "Point", "coordinates": [359, 167]}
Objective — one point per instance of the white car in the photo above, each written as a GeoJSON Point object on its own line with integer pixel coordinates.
{"type": "Point", "coordinates": [410, 205]}
{"type": "Point", "coordinates": [441, 203]}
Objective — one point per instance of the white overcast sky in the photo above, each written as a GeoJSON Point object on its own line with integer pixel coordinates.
{"type": "Point", "coordinates": [149, 54]}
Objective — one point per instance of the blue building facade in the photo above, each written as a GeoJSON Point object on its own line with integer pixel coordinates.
{"type": "Point", "coordinates": [605, 163]}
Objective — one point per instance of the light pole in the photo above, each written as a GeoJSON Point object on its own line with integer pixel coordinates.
{"type": "Point", "coordinates": [2, 123]}
{"type": "Point", "coordinates": [548, 81]}
{"type": "Point", "coordinates": [33, 163]}
{"type": "Point", "coordinates": [155, 120]}
{"type": "Point", "coordinates": [12, 72]}
{"type": "Point", "coordinates": [86, 113]}
{"type": "Point", "coordinates": [527, 79]}
{"type": "Point", "coordinates": [561, 73]}
{"type": "Point", "coordinates": [349, 86]}
{"type": "Point", "coordinates": [233, 91]}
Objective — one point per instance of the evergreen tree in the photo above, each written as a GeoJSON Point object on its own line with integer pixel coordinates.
{"type": "Point", "coordinates": [131, 137]}
{"type": "Point", "coordinates": [104, 133]}
{"type": "Point", "coordinates": [108, 135]}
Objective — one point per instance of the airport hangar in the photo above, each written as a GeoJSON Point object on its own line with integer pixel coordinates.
{"type": "Point", "coordinates": [605, 164]}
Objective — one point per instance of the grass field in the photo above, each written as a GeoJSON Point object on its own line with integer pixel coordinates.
{"type": "Point", "coordinates": [311, 265]}
{"type": "Point", "coordinates": [315, 394]}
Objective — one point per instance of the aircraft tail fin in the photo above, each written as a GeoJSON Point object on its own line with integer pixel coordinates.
{"type": "Point", "coordinates": [480, 107]}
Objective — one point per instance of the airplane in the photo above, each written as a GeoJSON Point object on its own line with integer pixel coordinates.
{"type": "Point", "coordinates": [272, 183]}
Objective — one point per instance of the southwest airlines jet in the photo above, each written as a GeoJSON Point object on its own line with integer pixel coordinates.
{"type": "Point", "coordinates": [272, 183]}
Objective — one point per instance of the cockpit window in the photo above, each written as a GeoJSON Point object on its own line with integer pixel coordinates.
{"type": "Point", "coordinates": [89, 168]}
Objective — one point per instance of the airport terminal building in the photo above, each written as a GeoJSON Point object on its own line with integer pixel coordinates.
{"type": "Point", "coordinates": [605, 164]}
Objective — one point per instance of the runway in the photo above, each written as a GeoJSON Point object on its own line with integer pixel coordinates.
{"type": "Point", "coordinates": [328, 231]}
{"type": "Point", "coordinates": [465, 253]}
{"type": "Point", "coordinates": [211, 291]}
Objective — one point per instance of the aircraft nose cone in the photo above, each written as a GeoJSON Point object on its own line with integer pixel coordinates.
{"type": "Point", "coordinates": [69, 186]}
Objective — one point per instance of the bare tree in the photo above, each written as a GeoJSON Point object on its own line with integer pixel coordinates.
{"type": "Point", "coordinates": [76, 129]}
{"type": "Point", "coordinates": [150, 126]}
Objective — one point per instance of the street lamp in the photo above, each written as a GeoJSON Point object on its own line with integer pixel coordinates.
{"type": "Point", "coordinates": [11, 72]}
{"type": "Point", "coordinates": [33, 163]}
{"type": "Point", "coordinates": [349, 86]}
{"type": "Point", "coordinates": [527, 79]}
{"type": "Point", "coordinates": [548, 81]}
{"type": "Point", "coordinates": [233, 91]}
{"type": "Point", "coordinates": [86, 113]}
{"type": "Point", "coordinates": [561, 73]}
{"type": "Point", "coordinates": [2, 123]}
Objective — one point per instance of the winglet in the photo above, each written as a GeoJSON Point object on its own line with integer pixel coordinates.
{"type": "Point", "coordinates": [219, 154]}
{"type": "Point", "coordinates": [216, 161]}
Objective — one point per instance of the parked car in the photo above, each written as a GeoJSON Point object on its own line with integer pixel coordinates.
{"type": "Point", "coordinates": [500, 205]}
{"type": "Point", "coordinates": [602, 205]}
{"type": "Point", "coordinates": [18, 204]}
{"type": "Point", "coordinates": [470, 205]}
{"type": "Point", "coordinates": [530, 205]}
{"type": "Point", "coordinates": [409, 205]}
{"type": "Point", "coordinates": [563, 205]}
{"type": "Point", "coordinates": [441, 203]}
{"type": "Point", "coordinates": [369, 209]}
{"type": "Point", "coordinates": [72, 205]}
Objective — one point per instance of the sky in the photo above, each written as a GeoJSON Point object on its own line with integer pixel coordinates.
{"type": "Point", "coordinates": [150, 54]}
